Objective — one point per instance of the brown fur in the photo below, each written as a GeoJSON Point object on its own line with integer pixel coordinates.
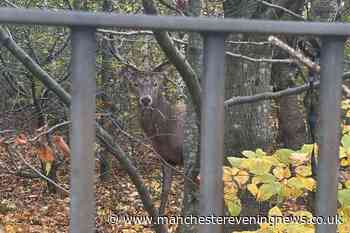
{"type": "Point", "coordinates": [162, 122]}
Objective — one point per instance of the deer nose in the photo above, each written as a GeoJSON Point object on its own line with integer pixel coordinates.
{"type": "Point", "coordinates": [146, 100]}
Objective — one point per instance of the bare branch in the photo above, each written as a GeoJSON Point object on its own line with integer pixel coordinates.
{"type": "Point", "coordinates": [297, 16]}
{"type": "Point", "coordinates": [130, 33]}
{"type": "Point", "coordinates": [249, 42]}
{"type": "Point", "coordinates": [292, 52]}
{"type": "Point", "coordinates": [240, 56]}
{"type": "Point", "coordinates": [172, 7]}
{"type": "Point", "coordinates": [49, 131]}
{"type": "Point", "coordinates": [274, 95]}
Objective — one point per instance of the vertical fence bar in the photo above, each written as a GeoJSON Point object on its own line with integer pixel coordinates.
{"type": "Point", "coordinates": [212, 130]}
{"type": "Point", "coordinates": [332, 65]}
{"type": "Point", "coordinates": [82, 219]}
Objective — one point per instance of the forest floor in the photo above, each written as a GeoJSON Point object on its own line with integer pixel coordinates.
{"type": "Point", "coordinates": [26, 206]}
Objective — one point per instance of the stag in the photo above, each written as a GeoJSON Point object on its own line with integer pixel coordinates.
{"type": "Point", "coordinates": [161, 120]}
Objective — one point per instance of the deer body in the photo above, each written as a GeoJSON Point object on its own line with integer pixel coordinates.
{"type": "Point", "coordinates": [162, 122]}
{"type": "Point", "coordinates": [163, 125]}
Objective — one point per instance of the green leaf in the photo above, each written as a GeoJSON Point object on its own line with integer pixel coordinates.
{"type": "Point", "coordinates": [234, 206]}
{"type": "Point", "coordinates": [283, 155]}
{"type": "Point", "coordinates": [307, 148]}
{"type": "Point", "coordinates": [259, 152]}
{"type": "Point", "coordinates": [303, 171]}
{"type": "Point", "coordinates": [249, 154]}
{"type": "Point", "coordinates": [234, 161]}
{"type": "Point", "coordinates": [346, 141]}
{"type": "Point", "coordinates": [295, 182]}
{"type": "Point", "coordinates": [257, 166]}
{"type": "Point", "coordinates": [266, 191]}
{"type": "Point", "coordinates": [264, 179]}
{"type": "Point", "coordinates": [344, 197]}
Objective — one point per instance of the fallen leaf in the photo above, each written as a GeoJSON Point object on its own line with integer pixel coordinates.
{"type": "Point", "coordinates": [45, 153]}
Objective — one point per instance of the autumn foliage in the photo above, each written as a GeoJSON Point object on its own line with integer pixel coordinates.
{"type": "Point", "coordinates": [45, 153]}
{"type": "Point", "coordinates": [61, 146]}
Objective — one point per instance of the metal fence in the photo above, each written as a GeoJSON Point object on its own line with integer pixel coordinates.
{"type": "Point", "coordinates": [83, 25]}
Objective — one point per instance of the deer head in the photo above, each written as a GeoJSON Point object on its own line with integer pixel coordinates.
{"type": "Point", "coordinates": [145, 85]}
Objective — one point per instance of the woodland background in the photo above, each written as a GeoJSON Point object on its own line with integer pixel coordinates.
{"type": "Point", "coordinates": [267, 141]}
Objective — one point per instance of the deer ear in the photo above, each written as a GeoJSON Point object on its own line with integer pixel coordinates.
{"type": "Point", "coordinates": [128, 72]}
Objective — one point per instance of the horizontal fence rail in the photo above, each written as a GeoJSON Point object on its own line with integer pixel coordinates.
{"type": "Point", "coordinates": [199, 24]}
{"type": "Point", "coordinates": [83, 25]}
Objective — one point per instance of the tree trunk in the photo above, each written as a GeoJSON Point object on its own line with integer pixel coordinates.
{"type": "Point", "coordinates": [292, 128]}
{"type": "Point", "coordinates": [191, 147]}
{"type": "Point", "coordinates": [106, 76]}
{"type": "Point", "coordinates": [248, 126]}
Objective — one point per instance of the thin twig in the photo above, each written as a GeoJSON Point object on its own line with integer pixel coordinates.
{"type": "Point", "coordinates": [50, 130]}
{"type": "Point", "coordinates": [273, 95]}
{"type": "Point", "coordinates": [240, 56]}
{"type": "Point", "coordinates": [282, 8]}
{"type": "Point", "coordinates": [37, 171]}
{"type": "Point", "coordinates": [249, 42]}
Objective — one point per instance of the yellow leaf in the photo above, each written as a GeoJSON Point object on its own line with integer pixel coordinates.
{"type": "Point", "coordinates": [281, 172]}
{"type": "Point", "coordinates": [342, 152]}
{"type": "Point", "coordinates": [257, 166]}
{"type": "Point", "coordinates": [309, 183]}
{"type": "Point", "coordinates": [48, 166]}
{"type": "Point", "coordinates": [242, 177]}
{"type": "Point", "coordinates": [302, 213]}
{"type": "Point", "coordinates": [253, 189]}
{"type": "Point", "coordinates": [249, 154]}
{"type": "Point", "coordinates": [228, 173]}
{"type": "Point", "coordinates": [275, 211]}
{"type": "Point", "coordinates": [299, 158]}
{"type": "Point", "coordinates": [266, 191]}
{"type": "Point", "coordinates": [230, 189]}
{"type": "Point", "coordinates": [347, 184]}
{"type": "Point", "coordinates": [303, 171]}
{"type": "Point", "coordinates": [344, 162]}
{"type": "Point", "coordinates": [290, 192]}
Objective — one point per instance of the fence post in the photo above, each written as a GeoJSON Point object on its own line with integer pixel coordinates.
{"type": "Point", "coordinates": [212, 130]}
{"type": "Point", "coordinates": [82, 208]}
{"type": "Point", "coordinates": [332, 65]}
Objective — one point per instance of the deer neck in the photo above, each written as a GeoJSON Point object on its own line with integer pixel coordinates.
{"type": "Point", "coordinates": [154, 118]}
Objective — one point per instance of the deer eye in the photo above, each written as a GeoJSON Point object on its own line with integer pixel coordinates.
{"type": "Point", "coordinates": [136, 85]}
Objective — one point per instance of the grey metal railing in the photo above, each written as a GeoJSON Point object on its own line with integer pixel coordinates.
{"type": "Point", "coordinates": [83, 25]}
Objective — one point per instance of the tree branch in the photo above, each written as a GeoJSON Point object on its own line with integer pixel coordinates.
{"type": "Point", "coordinates": [274, 95]}
{"type": "Point", "coordinates": [293, 53]}
{"type": "Point", "coordinates": [177, 59]}
{"type": "Point", "coordinates": [240, 56]}
{"type": "Point", "coordinates": [295, 15]}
